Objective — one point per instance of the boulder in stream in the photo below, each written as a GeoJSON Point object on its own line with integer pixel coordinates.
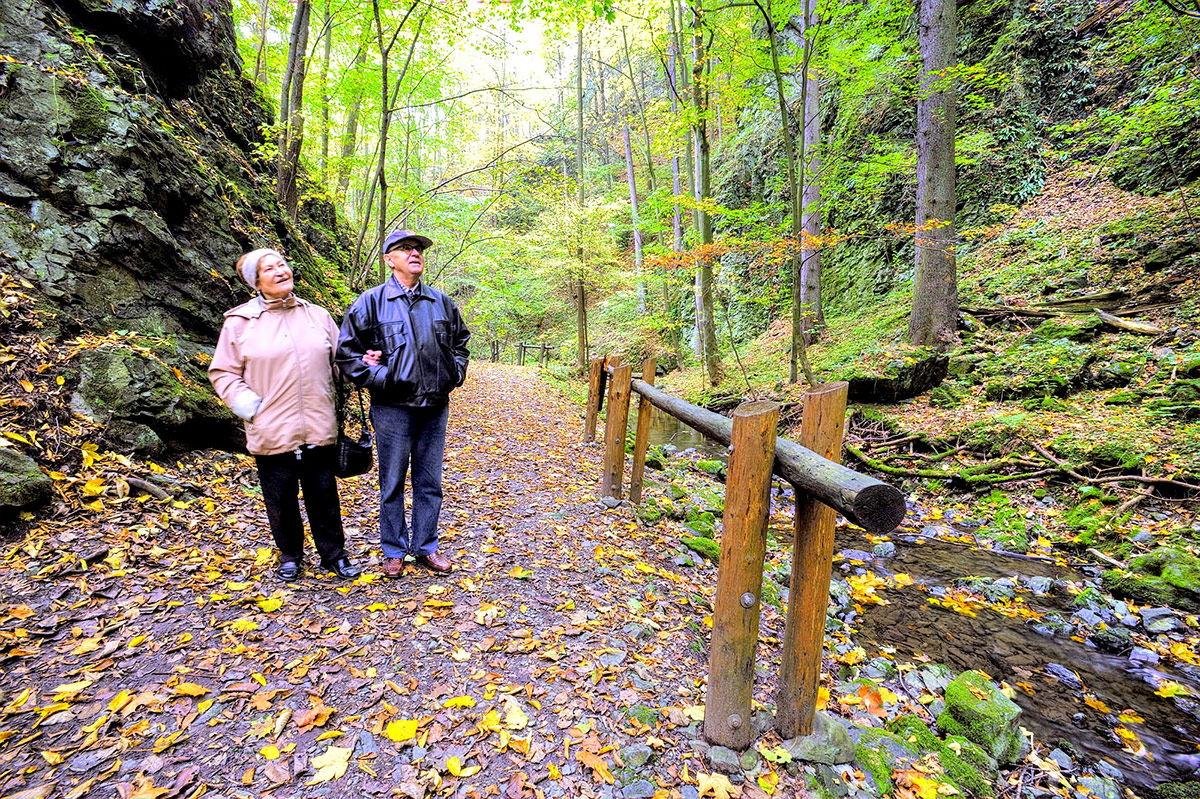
{"type": "Point", "coordinates": [978, 711]}
{"type": "Point", "coordinates": [1165, 576]}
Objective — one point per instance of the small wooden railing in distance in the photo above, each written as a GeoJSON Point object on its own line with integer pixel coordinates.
{"type": "Point", "coordinates": [823, 487]}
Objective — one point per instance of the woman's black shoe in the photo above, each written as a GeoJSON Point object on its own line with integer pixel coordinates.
{"type": "Point", "coordinates": [343, 568]}
{"type": "Point", "coordinates": [289, 571]}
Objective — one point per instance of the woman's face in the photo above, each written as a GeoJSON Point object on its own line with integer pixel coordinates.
{"type": "Point", "coordinates": [274, 277]}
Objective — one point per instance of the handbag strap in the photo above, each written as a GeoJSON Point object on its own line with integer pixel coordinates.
{"type": "Point", "coordinates": [340, 405]}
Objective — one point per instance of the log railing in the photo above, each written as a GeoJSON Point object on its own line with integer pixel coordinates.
{"type": "Point", "coordinates": [542, 352]}
{"type": "Point", "coordinates": [822, 487]}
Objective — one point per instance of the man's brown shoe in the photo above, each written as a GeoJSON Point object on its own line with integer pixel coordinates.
{"type": "Point", "coordinates": [435, 561]}
{"type": "Point", "coordinates": [393, 567]}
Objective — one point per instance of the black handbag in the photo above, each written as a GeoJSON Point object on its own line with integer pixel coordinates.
{"type": "Point", "coordinates": [355, 456]}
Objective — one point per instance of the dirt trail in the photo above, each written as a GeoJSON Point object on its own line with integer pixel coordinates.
{"type": "Point", "coordinates": [178, 665]}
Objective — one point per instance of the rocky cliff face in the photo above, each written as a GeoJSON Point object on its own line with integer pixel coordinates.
{"type": "Point", "coordinates": [129, 185]}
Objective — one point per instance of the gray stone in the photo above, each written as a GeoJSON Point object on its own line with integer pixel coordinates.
{"type": "Point", "coordinates": [1100, 788]}
{"type": "Point", "coordinates": [366, 743]}
{"type": "Point", "coordinates": [689, 792]}
{"type": "Point", "coordinates": [641, 789]}
{"type": "Point", "coordinates": [22, 483]}
{"type": "Point", "coordinates": [1064, 675]}
{"type": "Point", "coordinates": [1088, 618]}
{"type": "Point", "coordinates": [936, 677]}
{"type": "Point", "coordinates": [1040, 585]}
{"type": "Point", "coordinates": [1143, 657]}
{"type": "Point", "coordinates": [724, 760]}
{"type": "Point", "coordinates": [1064, 761]}
{"type": "Point", "coordinates": [979, 711]}
{"type": "Point", "coordinates": [760, 723]}
{"type": "Point", "coordinates": [749, 760]}
{"type": "Point", "coordinates": [831, 782]}
{"type": "Point", "coordinates": [636, 755]}
{"type": "Point", "coordinates": [613, 658]}
{"type": "Point", "coordinates": [884, 549]}
{"type": "Point", "coordinates": [830, 743]}
{"type": "Point", "coordinates": [1159, 620]}
{"type": "Point", "coordinates": [611, 502]}
{"type": "Point", "coordinates": [1109, 771]}
{"type": "Point", "coordinates": [879, 668]}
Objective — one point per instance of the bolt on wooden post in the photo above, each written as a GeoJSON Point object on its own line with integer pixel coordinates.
{"type": "Point", "coordinates": [615, 426]}
{"type": "Point", "coordinates": [739, 579]}
{"type": "Point", "coordinates": [642, 440]}
{"type": "Point", "coordinates": [821, 430]}
{"type": "Point", "coordinates": [593, 400]}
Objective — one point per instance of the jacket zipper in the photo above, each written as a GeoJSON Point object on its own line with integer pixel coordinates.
{"type": "Point", "coordinates": [299, 379]}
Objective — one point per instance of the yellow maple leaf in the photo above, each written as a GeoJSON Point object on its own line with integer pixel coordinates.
{"type": "Point", "coordinates": [331, 765]}
{"type": "Point", "coordinates": [270, 752]}
{"type": "Point", "coordinates": [1091, 701]}
{"type": "Point", "coordinates": [243, 625]}
{"type": "Point", "coordinates": [459, 701]}
{"type": "Point", "coordinates": [190, 689]}
{"type": "Point", "coordinates": [270, 604]}
{"type": "Point", "coordinates": [1170, 688]}
{"type": "Point", "coordinates": [597, 764]}
{"type": "Point", "coordinates": [716, 785]}
{"type": "Point", "coordinates": [514, 717]}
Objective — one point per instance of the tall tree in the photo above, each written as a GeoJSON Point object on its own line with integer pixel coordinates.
{"type": "Point", "coordinates": [702, 185]}
{"type": "Point", "coordinates": [637, 229]}
{"type": "Point", "coordinates": [350, 136]}
{"type": "Point", "coordinates": [812, 314]}
{"type": "Point", "coordinates": [581, 331]}
{"type": "Point", "coordinates": [935, 285]}
{"type": "Point", "coordinates": [291, 111]}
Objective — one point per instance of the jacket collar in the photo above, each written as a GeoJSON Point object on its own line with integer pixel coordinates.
{"type": "Point", "coordinates": [393, 290]}
{"type": "Point", "coordinates": [257, 306]}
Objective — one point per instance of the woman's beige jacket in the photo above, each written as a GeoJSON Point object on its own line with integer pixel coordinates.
{"type": "Point", "coordinates": [274, 367]}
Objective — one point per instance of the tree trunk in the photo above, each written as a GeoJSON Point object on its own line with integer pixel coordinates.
{"type": "Point", "coordinates": [705, 323]}
{"type": "Point", "coordinates": [637, 96]}
{"type": "Point", "coordinates": [677, 217]}
{"type": "Point", "coordinates": [935, 287]}
{"type": "Point", "coordinates": [637, 232]}
{"type": "Point", "coordinates": [385, 120]}
{"type": "Point", "coordinates": [327, 32]}
{"type": "Point", "coordinates": [350, 139]}
{"type": "Point", "coordinates": [291, 111]}
{"type": "Point", "coordinates": [812, 312]}
{"type": "Point", "coordinates": [264, 10]}
{"type": "Point", "coordinates": [581, 320]}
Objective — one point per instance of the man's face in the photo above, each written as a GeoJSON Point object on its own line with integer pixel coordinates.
{"type": "Point", "coordinates": [407, 260]}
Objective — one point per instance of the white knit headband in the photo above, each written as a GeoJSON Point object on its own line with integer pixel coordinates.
{"type": "Point", "coordinates": [250, 265]}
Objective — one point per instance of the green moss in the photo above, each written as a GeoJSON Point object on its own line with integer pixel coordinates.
{"type": "Point", "coordinates": [646, 715]}
{"type": "Point", "coordinates": [704, 547]}
{"type": "Point", "coordinates": [1166, 576]}
{"type": "Point", "coordinates": [89, 111]}
{"type": "Point", "coordinates": [771, 594]}
{"type": "Point", "coordinates": [713, 467]}
{"type": "Point", "coordinates": [965, 776]}
{"type": "Point", "coordinates": [1071, 328]}
{"type": "Point", "coordinates": [990, 721]}
{"type": "Point", "coordinates": [872, 756]}
{"type": "Point", "coordinates": [1178, 790]}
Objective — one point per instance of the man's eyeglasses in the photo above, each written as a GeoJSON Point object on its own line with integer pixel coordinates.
{"type": "Point", "coordinates": [405, 246]}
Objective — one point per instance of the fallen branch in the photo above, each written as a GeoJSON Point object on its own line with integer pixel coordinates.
{"type": "Point", "coordinates": [1061, 465]}
{"type": "Point", "coordinates": [1141, 328]}
{"type": "Point", "coordinates": [146, 487]}
{"type": "Point", "coordinates": [1095, 553]}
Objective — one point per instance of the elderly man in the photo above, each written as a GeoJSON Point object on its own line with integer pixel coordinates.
{"type": "Point", "coordinates": [407, 344]}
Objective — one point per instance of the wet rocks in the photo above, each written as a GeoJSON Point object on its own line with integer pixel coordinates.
{"type": "Point", "coordinates": [1064, 675]}
{"type": "Point", "coordinates": [1159, 620]}
{"type": "Point", "coordinates": [22, 483]}
{"type": "Point", "coordinates": [905, 376]}
{"type": "Point", "coordinates": [724, 760]}
{"type": "Point", "coordinates": [1165, 576]}
{"type": "Point", "coordinates": [635, 756]}
{"type": "Point", "coordinates": [990, 721]}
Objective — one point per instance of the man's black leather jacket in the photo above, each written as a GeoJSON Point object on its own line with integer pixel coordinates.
{"type": "Point", "coordinates": [424, 345]}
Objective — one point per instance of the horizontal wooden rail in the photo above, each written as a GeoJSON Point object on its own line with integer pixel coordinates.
{"type": "Point", "coordinates": [871, 504]}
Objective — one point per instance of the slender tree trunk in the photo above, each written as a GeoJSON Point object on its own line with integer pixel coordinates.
{"type": "Point", "coordinates": [677, 217]}
{"type": "Point", "coordinates": [264, 10]}
{"type": "Point", "coordinates": [327, 32]}
{"type": "Point", "coordinates": [291, 113]}
{"type": "Point", "coordinates": [935, 287]}
{"type": "Point", "coordinates": [705, 323]}
{"type": "Point", "coordinates": [581, 355]}
{"type": "Point", "coordinates": [350, 139]}
{"type": "Point", "coordinates": [637, 97]}
{"type": "Point", "coordinates": [385, 120]}
{"type": "Point", "coordinates": [637, 231]}
{"type": "Point", "coordinates": [813, 319]}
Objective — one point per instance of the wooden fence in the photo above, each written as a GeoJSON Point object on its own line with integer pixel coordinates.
{"type": "Point", "coordinates": [542, 353]}
{"type": "Point", "coordinates": [823, 487]}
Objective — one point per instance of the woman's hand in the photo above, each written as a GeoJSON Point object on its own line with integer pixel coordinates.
{"type": "Point", "coordinates": [371, 357]}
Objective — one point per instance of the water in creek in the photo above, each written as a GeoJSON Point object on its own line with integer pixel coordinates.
{"type": "Point", "coordinates": [1010, 649]}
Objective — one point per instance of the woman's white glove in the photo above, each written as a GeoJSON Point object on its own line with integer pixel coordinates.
{"type": "Point", "coordinates": [246, 404]}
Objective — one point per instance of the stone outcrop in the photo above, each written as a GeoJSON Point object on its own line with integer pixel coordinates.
{"type": "Point", "coordinates": [130, 181]}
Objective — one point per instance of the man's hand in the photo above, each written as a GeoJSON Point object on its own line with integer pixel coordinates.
{"type": "Point", "coordinates": [371, 357]}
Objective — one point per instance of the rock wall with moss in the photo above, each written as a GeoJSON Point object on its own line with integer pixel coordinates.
{"type": "Point", "coordinates": [129, 180]}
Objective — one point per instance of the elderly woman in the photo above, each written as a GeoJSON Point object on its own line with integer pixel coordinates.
{"type": "Point", "coordinates": [273, 367]}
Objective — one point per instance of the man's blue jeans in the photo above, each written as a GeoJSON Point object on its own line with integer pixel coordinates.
{"type": "Point", "coordinates": [404, 437]}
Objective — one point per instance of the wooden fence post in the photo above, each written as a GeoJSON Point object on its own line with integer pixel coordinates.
{"type": "Point", "coordinates": [593, 400]}
{"type": "Point", "coordinates": [642, 440]}
{"type": "Point", "coordinates": [615, 426]}
{"type": "Point", "coordinates": [821, 430]}
{"type": "Point", "coordinates": [739, 580]}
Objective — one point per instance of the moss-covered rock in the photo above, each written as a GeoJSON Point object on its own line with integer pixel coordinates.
{"type": "Point", "coordinates": [829, 743]}
{"type": "Point", "coordinates": [1076, 327]}
{"type": "Point", "coordinates": [704, 547]}
{"type": "Point", "coordinates": [1166, 576]}
{"type": "Point", "coordinates": [969, 769]}
{"type": "Point", "coordinates": [22, 483]}
{"type": "Point", "coordinates": [977, 710]}
{"type": "Point", "coordinates": [904, 376]}
{"type": "Point", "coordinates": [878, 753]}
{"type": "Point", "coordinates": [132, 382]}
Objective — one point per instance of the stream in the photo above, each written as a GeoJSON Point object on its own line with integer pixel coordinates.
{"type": "Point", "coordinates": [1053, 670]}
